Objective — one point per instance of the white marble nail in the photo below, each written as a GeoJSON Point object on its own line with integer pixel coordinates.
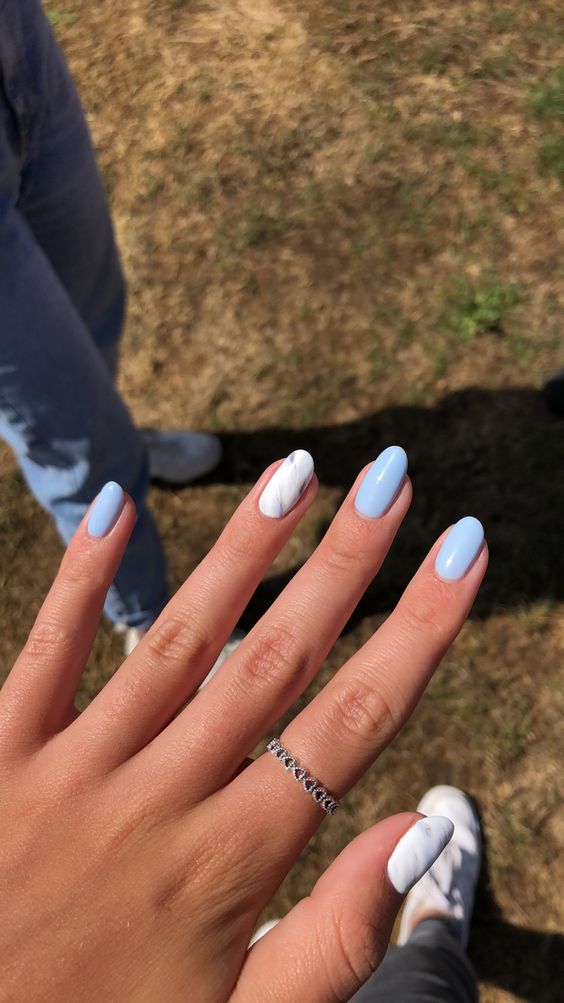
{"type": "Point", "coordinates": [287, 484]}
{"type": "Point", "coordinates": [417, 851]}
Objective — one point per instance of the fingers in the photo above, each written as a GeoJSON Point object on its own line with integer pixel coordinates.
{"type": "Point", "coordinates": [343, 730]}
{"type": "Point", "coordinates": [332, 941]}
{"type": "Point", "coordinates": [37, 699]}
{"type": "Point", "coordinates": [285, 649]}
{"type": "Point", "coordinates": [179, 650]}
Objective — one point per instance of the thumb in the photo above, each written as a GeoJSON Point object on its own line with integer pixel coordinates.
{"type": "Point", "coordinates": [332, 941]}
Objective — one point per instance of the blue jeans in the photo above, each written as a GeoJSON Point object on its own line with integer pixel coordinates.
{"type": "Point", "coordinates": [62, 306]}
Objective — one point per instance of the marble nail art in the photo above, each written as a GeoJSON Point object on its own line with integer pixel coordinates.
{"type": "Point", "coordinates": [287, 484]}
{"type": "Point", "coordinates": [417, 851]}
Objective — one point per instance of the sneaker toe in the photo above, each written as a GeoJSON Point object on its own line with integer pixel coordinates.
{"type": "Point", "coordinates": [180, 456]}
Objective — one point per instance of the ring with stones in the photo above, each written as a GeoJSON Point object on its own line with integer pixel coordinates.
{"type": "Point", "coordinates": [310, 784]}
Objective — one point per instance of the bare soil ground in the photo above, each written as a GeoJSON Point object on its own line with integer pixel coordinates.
{"type": "Point", "coordinates": [343, 226]}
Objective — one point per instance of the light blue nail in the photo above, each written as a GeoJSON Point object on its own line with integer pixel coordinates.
{"type": "Point", "coordinates": [107, 507]}
{"type": "Point", "coordinates": [460, 549]}
{"type": "Point", "coordinates": [382, 482]}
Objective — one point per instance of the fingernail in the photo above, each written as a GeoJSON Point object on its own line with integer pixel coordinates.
{"type": "Point", "coordinates": [460, 549]}
{"type": "Point", "coordinates": [382, 482]}
{"type": "Point", "coordinates": [417, 850]}
{"type": "Point", "coordinates": [107, 507]}
{"type": "Point", "coordinates": [287, 485]}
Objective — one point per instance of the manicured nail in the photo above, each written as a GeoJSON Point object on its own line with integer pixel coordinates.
{"type": "Point", "coordinates": [382, 482]}
{"type": "Point", "coordinates": [107, 507]}
{"type": "Point", "coordinates": [287, 485]}
{"type": "Point", "coordinates": [460, 549]}
{"type": "Point", "coordinates": [417, 851]}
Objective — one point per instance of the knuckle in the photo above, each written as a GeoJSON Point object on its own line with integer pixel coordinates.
{"type": "Point", "coordinates": [175, 642]}
{"type": "Point", "coordinates": [342, 556]}
{"type": "Point", "coordinates": [82, 571]}
{"type": "Point", "coordinates": [424, 614]}
{"type": "Point", "coordinates": [274, 657]}
{"type": "Point", "coordinates": [49, 638]}
{"type": "Point", "coordinates": [240, 541]}
{"type": "Point", "coordinates": [361, 715]}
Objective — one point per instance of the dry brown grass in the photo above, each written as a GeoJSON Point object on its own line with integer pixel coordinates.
{"type": "Point", "coordinates": [310, 201]}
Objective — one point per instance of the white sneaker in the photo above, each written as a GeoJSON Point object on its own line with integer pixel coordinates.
{"type": "Point", "coordinates": [178, 456]}
{"type": "Point", "coordinates": [133, 635]}
{"type": "Point", "coordinates": [449, 885]}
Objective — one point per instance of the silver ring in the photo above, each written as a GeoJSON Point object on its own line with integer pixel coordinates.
{"type": "Point", "coordinates": [310, 785]}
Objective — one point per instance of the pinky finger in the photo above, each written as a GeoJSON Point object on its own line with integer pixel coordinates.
{"type": "Point", "coordinates": [37, 699]}
{"type": "Point", "coordinates": [327, 947]}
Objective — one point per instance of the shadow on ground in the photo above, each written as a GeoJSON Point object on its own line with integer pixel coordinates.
{"type": "Point", "coordinates": [498, 455]}
{"type": "Point", "coordinates": [495, 454]}
{"type": "Point", "coordinates": [527, 963]}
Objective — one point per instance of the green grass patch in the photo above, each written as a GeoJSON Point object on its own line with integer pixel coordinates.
{"type": "Point", "coordinates": [380, 360]}
{"type": "Point", "coordinates": [546, 102]}
{"type": "Point", "coordinates": [439, 133]}
{"type": "Point", "coordinates": [408, 334]}
{"type": "Point", "coordinates": [57, 17]}
{"type": "Point", "coordinates": [502, 20]}
{"type": "Point", "coordinates": [521, 348]}
{"type": "Point", "coordinates": [374, 151]}
{"type": "Point", "coordinates": [551, 156]}
{"type": "Point", "coordinates": [363, 238]}
{"type": "Point", "coordinates": [443, 51]}
{"type": "Point", "coordinates": [473, 310]}
{"type": "Point", "coordinates": [259, 227]}
{"type": "Point", "coordinates": [203, 87]}
{"type": "Point", "coordinates": [547, 99]}
{"type": "Point", "coordinates": [501, 66]}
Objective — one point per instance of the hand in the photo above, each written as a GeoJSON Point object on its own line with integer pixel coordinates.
{"type": "Point", "coordinates": [138, 844]}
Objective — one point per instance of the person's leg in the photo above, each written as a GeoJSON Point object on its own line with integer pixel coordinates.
{"type": "Point", "coordinates": [61, 415]}
{"type": "Point", "coordinates": [61, 195]}
{"type": "Point", "coordinates": [432, 967]}
{"type": "Point", "coordinates": [59, 409]}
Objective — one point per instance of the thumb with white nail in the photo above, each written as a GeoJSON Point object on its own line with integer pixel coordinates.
{"type": "Point", "coordinates": [330, 943]}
